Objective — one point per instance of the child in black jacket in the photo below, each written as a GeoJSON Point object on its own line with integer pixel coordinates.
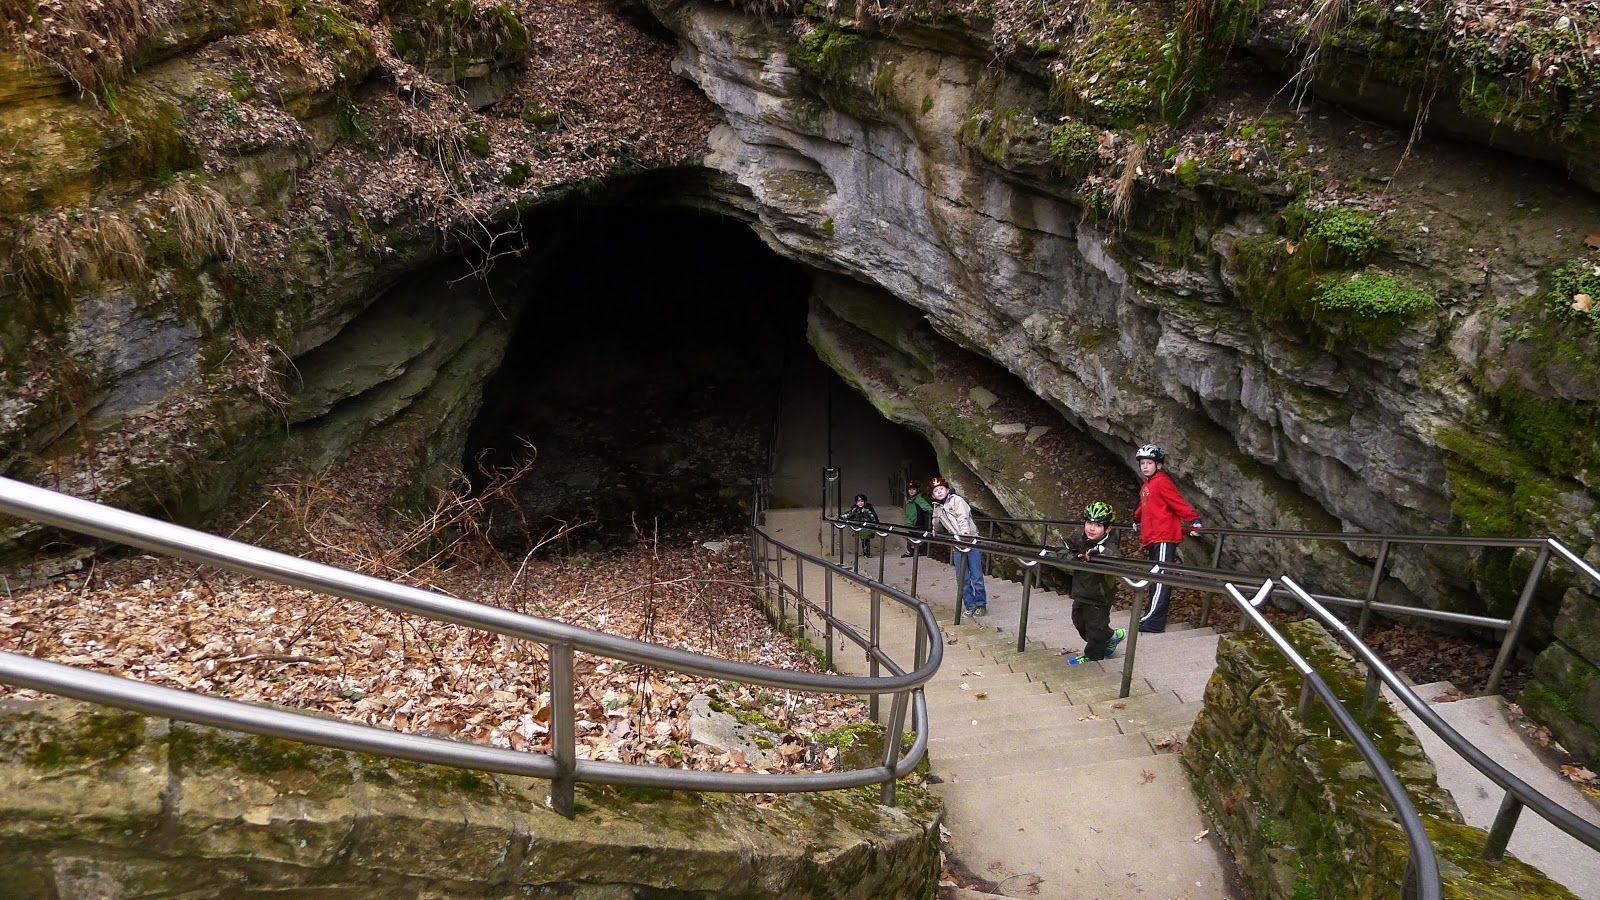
{"type": "Point", "coordinates": [1092, 592]}
{"type": "Point", "coordinates": [862, 513]}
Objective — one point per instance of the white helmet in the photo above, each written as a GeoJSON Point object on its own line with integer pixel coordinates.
{"type": "Point", "coordinates": [1151, 451]}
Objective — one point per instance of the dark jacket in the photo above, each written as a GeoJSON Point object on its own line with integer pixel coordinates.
{"type": "Point", "coordinates": [1090, 587]}
{"type": "Point", "coordinates": [861, 515]}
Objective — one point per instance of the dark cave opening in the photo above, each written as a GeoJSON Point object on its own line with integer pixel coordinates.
{"type": "Point", "coordinates": [659, 353]}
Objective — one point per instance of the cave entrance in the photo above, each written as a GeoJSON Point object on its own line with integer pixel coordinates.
{"type": "Point", "coordinates": [659, 363]}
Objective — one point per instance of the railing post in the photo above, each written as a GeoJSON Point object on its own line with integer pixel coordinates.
{"type": "Point", "coordinates": [783, 602]}
{"type": "Point", "coordinates": [563, 728]}
{"type": "Point", "coordinates": [800, 596]}
{"type": "Point", "coordinates": [891, 743]}
{"type": "Point", "coordinates": [827, 629]}
{"type": "Point", "coordinates": [920, 654]}
{"type": "Point", "coordinates": [958, 561]}
{"type": "Point", "coordinates": [1505, 822]}
{"type": "Point", "coordinates": [1136, 614]}
{"type": "Point", "coordinates": [1369, 703]}
{"type": "Point", "coordinates": [872, 656]}
{"type": "Point", "coordinates": [855, 551]}
{"type": "Point", "coordinates": [883, 554]}
{"type": "Point", "coordinates": [1027, 591]}
{"type": "Point", "coordinates": [1508, 645]}
{"type": "Point", "coordinates": [1372, 589]}
{"type": "Point", "coordinates": [916, 556]}
{"type": "Point", "coordinates": [1205, 600]}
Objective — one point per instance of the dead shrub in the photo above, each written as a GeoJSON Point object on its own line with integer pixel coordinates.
{"type": "Point", "coordinates": [58, 256]}
{"type": "Point", "coordinates": [200, 222]}
{"type": "Point", "coordinates": [1122, 193]}
{"type": "Point", "coordinates": [88, 41]}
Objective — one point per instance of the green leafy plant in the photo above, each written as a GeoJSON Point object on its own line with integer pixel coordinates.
{"type": "Point", "coordinates": [1348, 233]}
{"type": "Point", "coordinates": [1369, 306]}
{"type": "Point", "coordinates": [1573, 279]}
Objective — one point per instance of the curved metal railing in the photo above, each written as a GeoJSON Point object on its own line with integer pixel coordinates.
{"type": "Point", "coordinates": [1139, 574]}
{"type": "Point", "coordinates": [1518, 792]}
{"type": "Point", "coordinates": [561, 766]}
{"type": "Point", "coordinates": [1511, 627]}
{"type": "Point", "coordinates": [1422, 870]}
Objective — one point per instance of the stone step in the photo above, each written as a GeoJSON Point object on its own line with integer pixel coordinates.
{"type": "Point", "coordinates": [1037, 759]}
{"type": "Point", "coordinates": [1127, 814]}
{"type": "Point", "coordinates": [995, 737]}
{"type": "Point", "coordinates": [1148, 704]}
{"type": "Point", "coordinates": [958, 893]}
{"type": "Point", "coordinates": [953, 693]}
{"type": "Point", "coordinates": [994, 677]}
{"type": "Point", "coordinates": [1028, 707]}
{"type": "Point", "coordinates": [1182, 715]}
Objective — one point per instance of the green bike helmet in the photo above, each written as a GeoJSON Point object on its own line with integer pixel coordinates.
{"type": "Point", "coordinates": [1098, 512]}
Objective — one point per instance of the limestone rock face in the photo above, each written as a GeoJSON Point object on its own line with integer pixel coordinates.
{"type": "Point", "coordinates": [104, 803]}
{"type": "Point", "coordinates": [915, 166]}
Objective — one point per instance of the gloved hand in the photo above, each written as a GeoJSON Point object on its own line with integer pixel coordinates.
{"type": "Point", "coordinates": [1197, 524]}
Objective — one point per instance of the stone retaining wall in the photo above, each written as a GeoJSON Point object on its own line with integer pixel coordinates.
{"type": "Point", "coordinates": [102, 803]}
{"type": "Point", "coordinates": [1564, 692]}
{"type": "Point", "coordinates": [1296, 804]}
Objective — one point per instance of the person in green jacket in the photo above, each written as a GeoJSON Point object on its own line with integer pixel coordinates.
{"type": "Point", "coordinates": [919, 515]}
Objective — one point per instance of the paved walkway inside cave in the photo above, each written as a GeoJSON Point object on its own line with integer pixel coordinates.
{"type": "Point", "coordinates": [1052, 786]}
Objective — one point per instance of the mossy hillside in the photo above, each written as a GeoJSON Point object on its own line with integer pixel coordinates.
{"type": "Point", "coordinates": [1309, 278]}
{"type": "Point", "coordinates": [1295, 800]}
{"type": "Point", "coordinates": [456, 38]}
{"type": "Point", "coordinates": [1496, 82]}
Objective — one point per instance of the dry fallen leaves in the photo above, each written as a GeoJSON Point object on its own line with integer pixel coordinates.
{"type": "Point", "coordinates": [217, 633]}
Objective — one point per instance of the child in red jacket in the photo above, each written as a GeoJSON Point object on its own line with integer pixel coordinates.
{"type": "Point", "coordinates": [1161, 520]}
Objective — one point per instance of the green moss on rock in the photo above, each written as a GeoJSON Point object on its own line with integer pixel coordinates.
{"type": "Point", "coordinates": [1295, 801]}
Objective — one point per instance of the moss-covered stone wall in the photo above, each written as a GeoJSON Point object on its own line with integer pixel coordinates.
{"type": "Point", "coordinates": [105, 803]}
{"type": "Point", "coordinates": [1295, 802]}
{"type": "Point", "coordinates": [1564, 692]}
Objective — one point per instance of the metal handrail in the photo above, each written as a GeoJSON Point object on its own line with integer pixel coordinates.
{"type": "Point", "coordinates": [1422, 870]}
{"type": "Point", "coordinates": [1518, 792]}
{"type": "Point", "coordinates": [561, 765]}
{"type": "Point", "coordinates": [1512, 626]}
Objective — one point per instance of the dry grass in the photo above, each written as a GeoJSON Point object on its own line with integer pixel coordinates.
{"type": "Point", "coordinates": [88, 41]}
{"type": "Point", "coordinates": [1323, 23]}
{"type": "Point", "coordinates": [200, 222]}
{"type": "Point", "coordinates": [1122, 193]}
{"type": "Point", "coordinates": [58, 256]}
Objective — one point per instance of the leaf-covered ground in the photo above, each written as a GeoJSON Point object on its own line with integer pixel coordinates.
{"type": "Point", "coordinates": [198, 628]}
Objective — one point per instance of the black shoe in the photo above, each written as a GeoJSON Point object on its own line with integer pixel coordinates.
{"type": "Point", "coordinates": [1152, 629]}
{"type": "Point", "coordinates": [907, 555]}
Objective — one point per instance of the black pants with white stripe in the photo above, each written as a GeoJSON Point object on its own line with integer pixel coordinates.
{"type": "Point", "coordinates": [1155, 618]}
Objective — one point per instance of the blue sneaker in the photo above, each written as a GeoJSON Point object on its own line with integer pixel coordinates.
{"type": "Point", "coordinates": [1077, 659]}
{"type": "Point", "coordinates": [1118, 635]}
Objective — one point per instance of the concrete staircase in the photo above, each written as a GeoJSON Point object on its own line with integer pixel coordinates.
{"type": "Point", "coordinates": [1053, 786]}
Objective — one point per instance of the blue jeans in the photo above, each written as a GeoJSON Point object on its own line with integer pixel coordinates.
{"type": "Point", "coordinates": [972, 592]}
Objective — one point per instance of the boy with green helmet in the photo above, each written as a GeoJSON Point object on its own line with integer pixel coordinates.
{"type": "Point", "coordinates": [1092, 592]}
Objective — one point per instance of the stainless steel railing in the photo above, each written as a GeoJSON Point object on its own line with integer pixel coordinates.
{"type": "Point", "coordinates": [1518, 792]}
{"type": "Point", "coordinates": [561, 765]}
{"type": "Point", "coordinates": [1140, 574]}
{"type": "Point", "coordinates": [1511, 626]}
{"type": "Point", "coordinates": [1422, 870]}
